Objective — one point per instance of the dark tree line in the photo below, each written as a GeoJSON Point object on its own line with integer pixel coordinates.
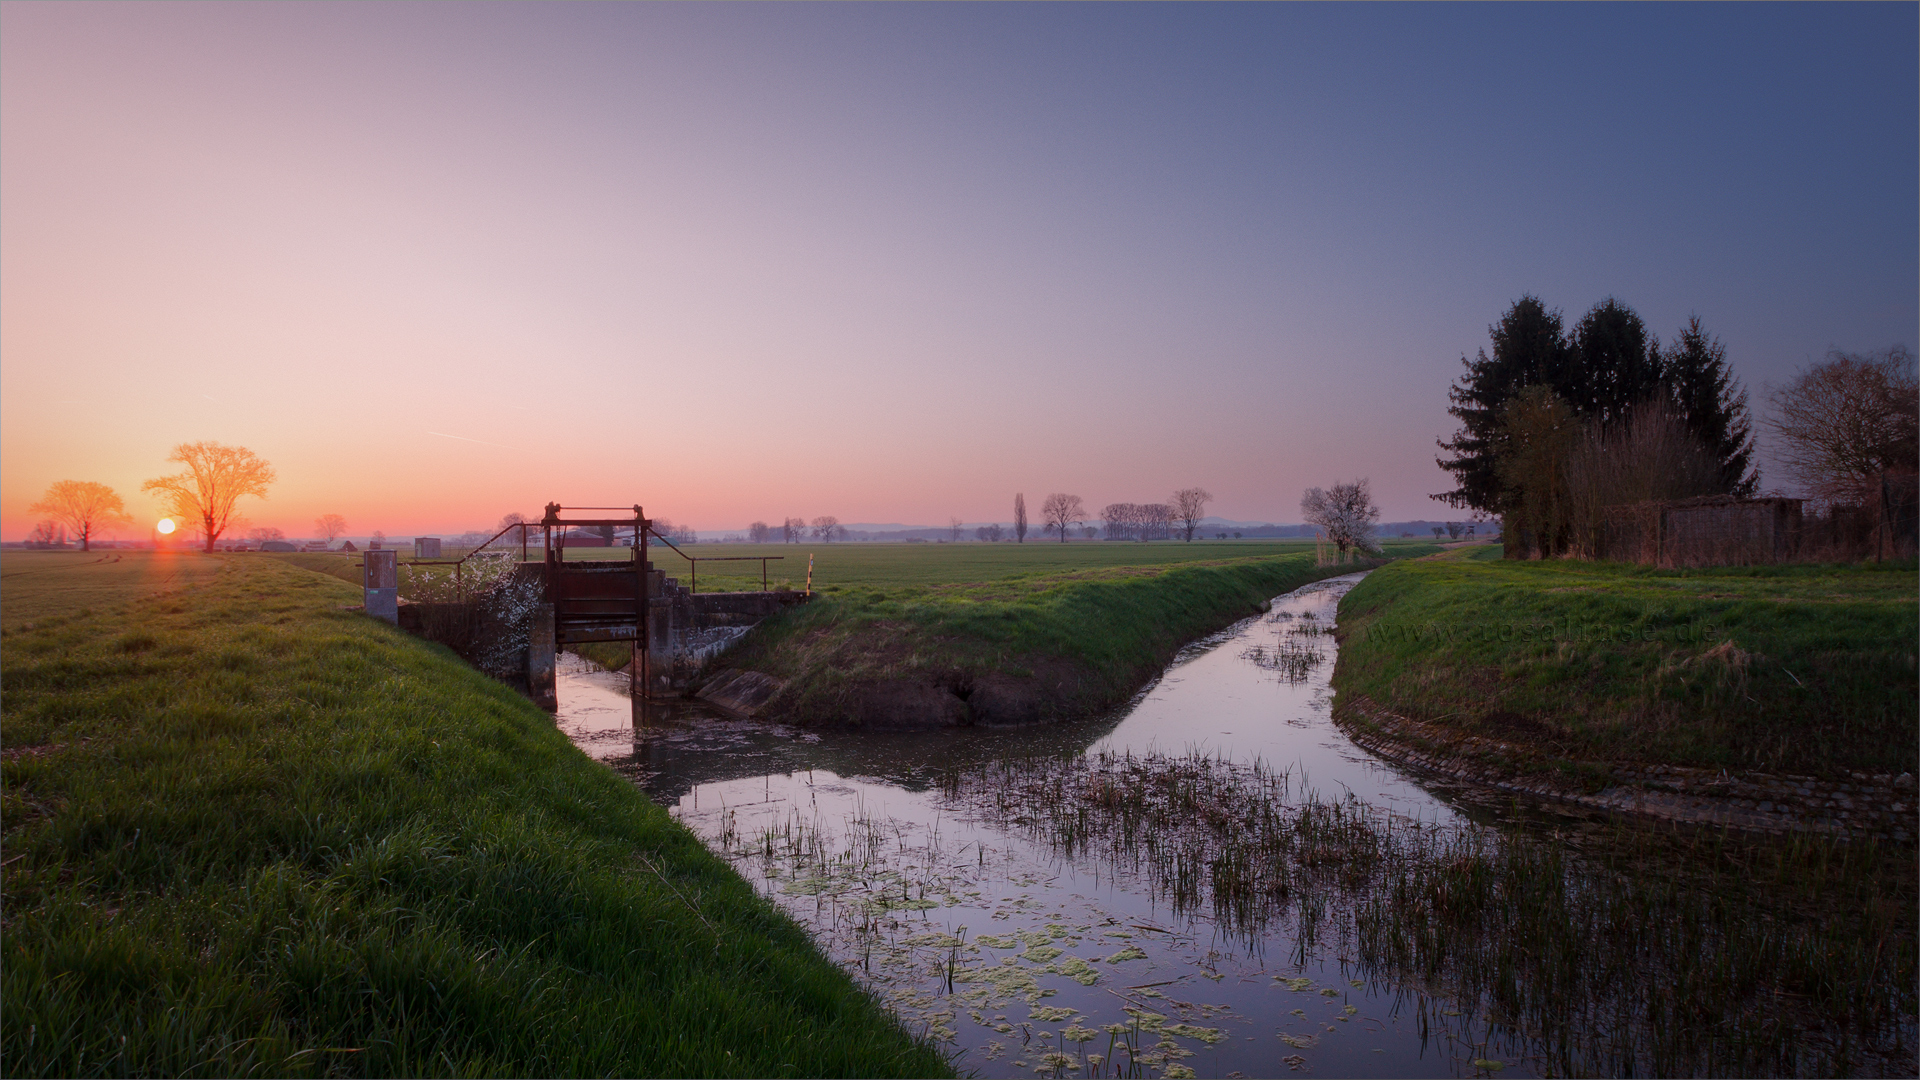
{"type": "Point", "coordinates": [1600, 374]}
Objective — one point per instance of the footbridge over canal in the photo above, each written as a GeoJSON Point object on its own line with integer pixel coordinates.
{"type": "Point", "coordinates": [672, 628]}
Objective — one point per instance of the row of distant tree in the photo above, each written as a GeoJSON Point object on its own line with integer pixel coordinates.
{"type": "Point", "coordinates": [793, 530]}
{"type": "Point", "coordinates": [1059, 515]}
{"type": "Point", "coordinates": [1558, 425]}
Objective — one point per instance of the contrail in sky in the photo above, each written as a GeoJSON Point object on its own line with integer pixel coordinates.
{"type": "Point", "coordinates": [482, 442]}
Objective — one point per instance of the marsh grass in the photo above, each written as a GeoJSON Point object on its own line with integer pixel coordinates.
{"type": "Point", "coordinates": [1807, 670]}
{"type": "Point", "coordinates": [1619, 949]}
{"type": "Point", "coordinates": [1292, 661]}
{"type": "Point", "coordinates": [249, 832]}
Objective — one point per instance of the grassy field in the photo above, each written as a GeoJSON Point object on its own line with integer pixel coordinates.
{"type": "Point", "coordinates": [61, 583]}
{"type": "Point", "coordinates": [998, 643]}
{"type": "Point", "coordinates": [945, 567]}
{"type": "Point", "coordinates": [249, 832]}
{"type": "Point", "coordinates": [1799, 669]}
{"type": "Point", "coordinates": [950, 614]}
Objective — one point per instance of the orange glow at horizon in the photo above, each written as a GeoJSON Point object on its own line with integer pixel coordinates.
{"type": "Point", "coordinates": [439, 265]}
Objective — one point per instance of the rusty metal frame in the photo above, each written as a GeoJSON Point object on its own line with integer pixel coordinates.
{"type": "Point", "coordinates": [553, 557]}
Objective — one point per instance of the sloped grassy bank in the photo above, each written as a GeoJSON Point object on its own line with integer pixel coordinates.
{"type": "Point", "coordinates": [1019, 650]}
{"type": "Point", "coordinates": [1806, 670]}
{"type": "Point", "coordinates": [248, 832]}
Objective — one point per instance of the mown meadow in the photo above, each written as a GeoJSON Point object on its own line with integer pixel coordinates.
{"type": "Point", "coordinates": [248, 831]}
{"type": "Point", "coordinates": [842, 565]}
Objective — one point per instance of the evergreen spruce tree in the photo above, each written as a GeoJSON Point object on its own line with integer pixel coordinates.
{"type": "Point", "coordinates": [1529, 349]}
{"type": "Point", "coordinates": [1713, 404]}
{"type": "Point", "coordinates": [1616, 365]}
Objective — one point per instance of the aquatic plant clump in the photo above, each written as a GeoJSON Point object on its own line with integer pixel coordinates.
{"type": "Point", "coordinates": [1292, 661]}
{"type": "Point", "coordinates": [1634, 951]}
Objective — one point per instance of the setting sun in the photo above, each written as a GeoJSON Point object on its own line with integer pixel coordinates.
{"type": "Point", "coordinates": [165, 526]}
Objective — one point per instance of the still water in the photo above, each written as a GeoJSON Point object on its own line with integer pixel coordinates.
{"type": "Point", "coordinates": [1020, 961]}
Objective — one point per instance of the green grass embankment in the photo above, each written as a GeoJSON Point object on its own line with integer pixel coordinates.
{"type": "Point", "coordinates": [1022, 648]}
{"type": "Point", "coordinates": [1799, 669]}
{"type": "Point", "coordinates": [248, 832]}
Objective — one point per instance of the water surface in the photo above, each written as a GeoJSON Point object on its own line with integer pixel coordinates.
{"type": "Point", "coordinates": [1021, 961]}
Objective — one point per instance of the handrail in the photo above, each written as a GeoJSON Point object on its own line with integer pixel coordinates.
{"type": "Point", "coordinates": [693, 569]}
{"type": "Point", "coordinates": [694, 561]}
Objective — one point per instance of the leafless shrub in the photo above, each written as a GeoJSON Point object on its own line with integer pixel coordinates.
{"type": "Point", "coordinates": [1650, 458]}
{"type": "Point", "coordinates": [1344, 513]}
{"type": "Point", "coordinates": [483, 613]}
{"type": "Point", "coordinates": [1841, 423]}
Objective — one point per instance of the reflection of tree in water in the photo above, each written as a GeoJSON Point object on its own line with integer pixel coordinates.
{"type": "Point", "coordinates": [1639, 950]}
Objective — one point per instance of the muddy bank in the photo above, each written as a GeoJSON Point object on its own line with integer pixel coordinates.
{"type": "Point", "coordinates": [1050, 689]}
{"type": "Point", "coordinates": [1876, 806]}
{"type": "Point", "coordinates": [1046, 650]}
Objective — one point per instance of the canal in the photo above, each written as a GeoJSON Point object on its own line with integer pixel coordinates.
{"type": "Point", "coordinates": [1190, 886]}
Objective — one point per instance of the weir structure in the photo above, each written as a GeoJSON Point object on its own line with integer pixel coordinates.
{"type": "Point", "coordinates": [671, 628]}
{"type": "Point", "coordinates": [592, 600]}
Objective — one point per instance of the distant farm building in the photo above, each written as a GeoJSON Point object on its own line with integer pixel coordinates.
{"type": "Point", "coordinates": [426, 547]}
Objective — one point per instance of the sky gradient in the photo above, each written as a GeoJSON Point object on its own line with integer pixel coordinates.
{"type": "Point", "coordinates": [896, 262]}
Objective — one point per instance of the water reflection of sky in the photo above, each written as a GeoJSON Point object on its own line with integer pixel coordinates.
{"type": "Point", "coordinates": [1007, 953]}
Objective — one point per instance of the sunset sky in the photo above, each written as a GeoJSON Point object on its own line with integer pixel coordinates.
{"type": "Point", "coordinates": [895, 263]}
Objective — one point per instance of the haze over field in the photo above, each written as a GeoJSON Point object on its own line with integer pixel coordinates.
{"type": "Point", "coordinates": [896, 263]}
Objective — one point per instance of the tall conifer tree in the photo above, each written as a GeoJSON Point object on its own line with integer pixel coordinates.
{"type": "Point", "coordinates": [1529, 349]}
{"type": "Point", "coordinates": [1615, 364]}
{"type": "Point", "coordinates": [1713, 405]}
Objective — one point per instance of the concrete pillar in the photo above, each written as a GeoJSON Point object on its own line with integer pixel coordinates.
{"type": "Point", "coordinates": [660, 645]}
{"type": "Point", "coordinates": [382, 580]}
{"type": "Point", "coordinates": [542, 656]}
{"type": "Point", "coordinates": [637, 682]}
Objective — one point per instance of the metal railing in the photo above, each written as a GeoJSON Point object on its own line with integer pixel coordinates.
{"type": "Point", "coordinates": [459, 581]}
{"type": "Point", "coordinates": [693, 569]}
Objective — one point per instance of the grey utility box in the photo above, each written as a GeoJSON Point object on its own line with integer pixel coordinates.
{"type": "Point", "coordinates": [383, 585]}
